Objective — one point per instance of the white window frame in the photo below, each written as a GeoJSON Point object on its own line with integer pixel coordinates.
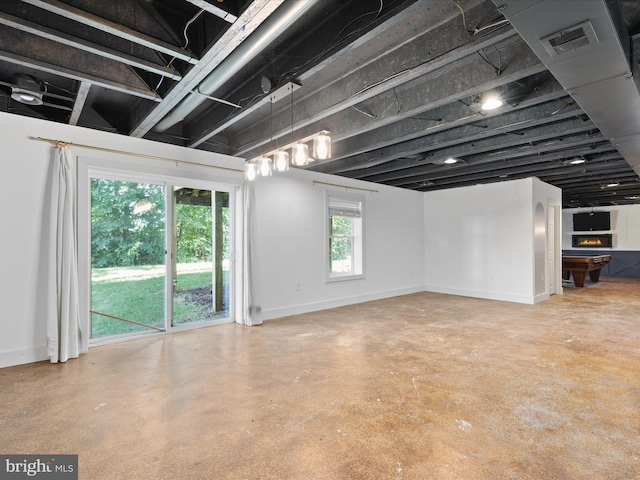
{"type": "Point", "coordinates": [349, 201]}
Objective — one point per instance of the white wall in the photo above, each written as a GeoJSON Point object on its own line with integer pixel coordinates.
{"type": "Point", "coordinates": [291, 244]}
{"type": "Point", "coordinates": [625, 226]}
{"type": "Point", "coordinates": [23, 210]}
{"type": "Point", "coordinates": [475, 241]}
{"type": "Point", "coordinates": [479, 239]}
{"type": "Point", "coordinates": [290, 228]}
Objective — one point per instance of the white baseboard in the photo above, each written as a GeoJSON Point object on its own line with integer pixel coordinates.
{"type": "Point", "coordinates": [541, 298]}
{"type": "Point", "coordinates": [20, 357]}
{"type": "Point", "coordinates": [504, 297]}
{"type": "Point", "coordinates": [338, 302]}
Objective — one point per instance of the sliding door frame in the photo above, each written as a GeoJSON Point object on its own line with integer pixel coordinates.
{"type": "Point", "coordinates": [172, 251]}
{"type": "Point", "coordinates": [148, 171]}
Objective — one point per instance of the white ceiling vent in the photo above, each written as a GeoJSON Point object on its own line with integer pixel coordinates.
{"type": "Point", "coordinates": [570, 39]}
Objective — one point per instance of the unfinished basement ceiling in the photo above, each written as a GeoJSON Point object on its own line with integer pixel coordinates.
{"type": "Point", "coordinates": [398, 83]}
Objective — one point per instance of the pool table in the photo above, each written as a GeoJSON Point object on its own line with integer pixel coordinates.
{"type": "Point", "coordinates": [580, 266]}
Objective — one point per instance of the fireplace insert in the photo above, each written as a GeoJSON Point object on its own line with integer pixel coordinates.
{"type": "Point", "coordinates": [604, 240]}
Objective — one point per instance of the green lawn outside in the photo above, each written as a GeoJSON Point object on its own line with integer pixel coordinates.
{"type": "Point", "coordinates": [137, 293]}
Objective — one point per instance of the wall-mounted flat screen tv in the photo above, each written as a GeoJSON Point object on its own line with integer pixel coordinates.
{"type": "Point", "coordinates": [592, 221]}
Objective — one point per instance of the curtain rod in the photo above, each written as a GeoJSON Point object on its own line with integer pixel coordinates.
{"type": "Point", "coordinates": [316, 182]}
{"type": "Point", "coordinates": [60, 143]}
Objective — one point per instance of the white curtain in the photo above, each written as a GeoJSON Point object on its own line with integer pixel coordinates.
{"type": "Point", "coordinates": [252, 307]}
{"type": "Point", "coordinates": [65, 338]}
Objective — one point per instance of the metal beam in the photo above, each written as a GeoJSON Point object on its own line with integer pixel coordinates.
{"type": "Point", "coordinates": [488, 167]}
{"type": "Point", "coordinates": [430, 90]}
{"type": "Point", "coordinates": [80, 44]}
{"type": "Point", "coordinates": [259, 41]}
{"type": "Point", "coordinates": [247, 23]}
{"type": "Point", "coordinates": [76, 75]}
{"type": "Point", "coordinates": [94, 21]}
{"type": "Point", "coordinates": [588, 193]}
{"type": "Point", "coordinates": [281, 92]}
{"type": "Point", "coordinates": [572, 130]}
{"type": "Point", "coordinates": [313, 76]}
{"type": "Point", "coordinates": [465, 129]}
{"type": "Point", "coordinates": [456, 142]}
{"type": "Point", "coordinates": [395, 65]}
{"type": "Point", "coordinates": [214, 10]}
{"type": "Point", "coordinates": [544, 169]}
{"type": "Point", "coordinates": [81, 98]}
{"type": "Point", "coordinates": [353, 153]}
{"type": "Point", "coordinates": [450, 175]}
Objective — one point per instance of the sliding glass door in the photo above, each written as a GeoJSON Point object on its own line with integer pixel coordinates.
{"type": "Point", "coordinates": [160, 257]}
{"type": "Point", "coordinates": [200, 266]}
{"type": "Point", "coordinates": [127, 257]}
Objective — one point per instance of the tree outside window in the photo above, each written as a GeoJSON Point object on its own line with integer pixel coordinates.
{"type": "Point", "coordinates": [345, 237]}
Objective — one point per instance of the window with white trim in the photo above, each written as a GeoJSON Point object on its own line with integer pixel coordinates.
{"type": "Point", "coordinates": [345, 241]}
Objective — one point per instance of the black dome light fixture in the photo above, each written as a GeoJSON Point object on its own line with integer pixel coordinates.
{"type": "Point", "coordinates": [26, 89]}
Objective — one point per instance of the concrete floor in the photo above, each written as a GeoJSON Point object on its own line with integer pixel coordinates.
{"type": "Point", "coordinates": [424, 386]}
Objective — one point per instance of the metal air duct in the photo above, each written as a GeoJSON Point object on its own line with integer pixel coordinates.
{"type": "Point", "coordinates": [270, 30]}
{"type": "Point", "coordinates": [588, 50]}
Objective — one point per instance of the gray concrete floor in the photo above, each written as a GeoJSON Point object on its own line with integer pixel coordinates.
{"type": "Point", "coordinates": [424, 386]}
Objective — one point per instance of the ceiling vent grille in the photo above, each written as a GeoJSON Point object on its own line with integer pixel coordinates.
{"type": "Point", "coordinates": [570, 39]}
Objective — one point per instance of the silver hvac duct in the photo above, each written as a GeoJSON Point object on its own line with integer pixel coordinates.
{"type": "Point", "coordinates": [272, 28]}
{"type": "Point", "coordinates": [588, 50]}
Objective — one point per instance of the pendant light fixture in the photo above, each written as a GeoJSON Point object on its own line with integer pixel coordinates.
{"type": "Point", "coordinates": [299, 150]}
{"type": "Point", "coordinates": [280, 161]}
{"type": "Point", "coordinates": [280, 157]}
{"type": "Point", "coordinates": [322, 146]}
{"type": "Point", "coordinates": [265, 167]}
{"type": "Point", "coordinates": [300, 154]}
{"type": "Point", "coordinates": [250, 170]}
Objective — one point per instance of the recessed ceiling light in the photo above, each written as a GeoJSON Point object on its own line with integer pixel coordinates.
{"type": "Point", "coordinates": [577, 161]}
{"type": "Point", "coordinates": [451, 161]}
{"type": "Point", "coordinates": [613, 184]}
{"type": "Point", "coordinates": [25, 97]}
{"type": "Point", "coordinates": [491, 102]}
{"type": "Point", "coordinates": [26, 90]}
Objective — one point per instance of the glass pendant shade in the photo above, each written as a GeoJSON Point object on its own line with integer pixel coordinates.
{"type": "Point", "coordinates": [250, 171]}
{"type": "Point", "coordinates": [300, 154]}
{"type": "Point", "coordinates": [281, 161]}
{"type": "Point", "coordinates": [265, 167]}
{"type": "Point", "coordinates": [322, 147]}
